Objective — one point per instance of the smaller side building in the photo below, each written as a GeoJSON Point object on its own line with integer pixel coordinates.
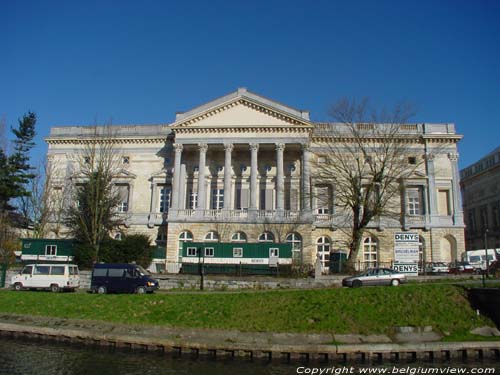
{"type": "Point", "coordinates": [480, 185]}
{"type": "Point", "coordinates": [46, 250]}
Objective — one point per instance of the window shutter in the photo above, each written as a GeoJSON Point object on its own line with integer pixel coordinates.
{"type": "Point", "coordinates": [269, 199]}
{"type": "Point", "coordinates": [243, 198]}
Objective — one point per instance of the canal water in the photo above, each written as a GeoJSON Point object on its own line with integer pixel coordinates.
{"type": "Point", "coordinates": [44, 358]}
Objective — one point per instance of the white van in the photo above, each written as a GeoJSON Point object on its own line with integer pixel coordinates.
{"type": "Point", "coordinates": [55, 277]}
{"type": "Point", "coordinates": [477, 258]}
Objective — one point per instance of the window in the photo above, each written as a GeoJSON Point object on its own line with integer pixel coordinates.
{"type": "Point", "coordinates": [118, 236]}
{"type": "Point", "coordinates": [57, 270]}
{"type": "Point", "coordinates": [86, 160]}
{"type": "Point", "coordinates": [212, 236]}
{"type": "Point", "coordinates": [266, 237]}
{"type": "Point", "coordinates": [323, 251]}
{"type": "Point", "coordinates": [50, 249]}
{"type": "Point", "coordinates": [42, 270]}
{"type": "Point", "coordinates": [161, 237]}
{"type": "Point", "coordinates": [495, 215]}
{"type": "Point", "coordinates": [27, 270]}
{"type": "Point", "coordinates": [296, 241]}
{"type": "Point", "coordinates": [217, 199]}
{"type": "Point", "coordinates": [164, 199]}
{"type": "Point", "coordinates": [274, 252]}
{"type": "Point", "coordinates": [412, 160]}
{"type": "Point", "coordinates": [237, 252]}
{"type": "Point", "coordinates": [116, 272]}
{"type": "Point", "coordinates": [100, 272]}
{"type": "Point", "coordinates": [414, 201]}
{"type": "Point", "coordinates": [484, 218]}
{"type": "Point", "coordinates": [123, 196]}
{"type": "Point", "coordinates": [185, 236]}
{"type": "Point", "coordinates": [193, 200]}
{"type": "Point", "coordinates": [472, 220]}
{"type": "Point", "coordinates": [220, 168]}
{"type": "Point", "coordinates": [239, 237]}
{"type": "Point", "coordinates": [323, 200]}
{"type": "Point", "coordinates": [73, 271]}
{"type": "Point", "coordinates": [266, 199]}
{"type": "Point", "coordinates": [370, 251]}
{"type": "Point", "coordinates": [126, 160]}
{"type": "Point", "coordinates": [191, 251]}
{"type": "Point", "coordinates": [209, 251]}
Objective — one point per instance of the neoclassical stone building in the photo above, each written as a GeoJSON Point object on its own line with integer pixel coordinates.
{"type": "Point", "coordinates": [480, 191]}
{"type": "Point", "coordinates": [240, 168]}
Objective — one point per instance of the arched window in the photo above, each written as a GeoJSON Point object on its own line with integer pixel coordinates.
{"type": "Point", "coordinates": [185, 236]}
{"type": "Point", "coordinates": [266, 237]}
{"type": "Point", "coordinates": [212, 236]}
{"type": "Point", "coordinates": [118, 236]}
{"type": "Point", "coordinates": [323, 251]}
{"type": "Point", "coordinates": [296, 241]}
{"type": "Point", "coordinates": [370, 252]}
{"type": "Point", "coordinates": [239, 237]}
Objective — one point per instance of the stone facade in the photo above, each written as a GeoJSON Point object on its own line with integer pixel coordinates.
{"type": "Point", "coordinates": [241, 168]}
{"type": "Point", "coordinates": [480, 183]}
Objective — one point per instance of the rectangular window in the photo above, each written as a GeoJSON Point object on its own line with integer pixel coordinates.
{"type": "Point", "coordinates": [57, 270]}
{"type": "Point", "coordinates": [266, 199]}
{"type": "Point", "coordinates": [164, 199]}
{"type": "Point", "coordinates": [191, 251]}
{"type": "Point", "coordinates": [27, 270]}
{"type": "Point", "coordinates": [42, 270]}
{"type": "Point", "coordinates": [50, 249]}
{"type": "Point", "coordinates": [274, 252]}
{"type": "Point", "coordinates": [193, 200]}
{"type": "Point", "coordinates": [237, 252]}
{"type": "Point", "coordinates": [217, 199]}
{"type": "Point", "coordinates": [472, 220]}
{"type": "Point", "coordinates": [116, 272]}
{"type": "Point", "coordinates": [100, 272]}
{"type": "Point", "coordinates": [323, 200]}
{"type": "Point", "coordinates": [484, 217]}
{"type": "Point", "coordinates": [414, 201]}
{"type": "Point", "coordinates": [209, 251]}
{"type": "Point", "coordinates": [242, 198]}
{"type": "Point", "coordinates": [73, 270]}
{"type": "Point", "coordinates": [494, 215]}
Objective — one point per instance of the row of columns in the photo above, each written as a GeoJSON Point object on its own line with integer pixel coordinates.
{"type": "Point", "coordinates": [228, 148]}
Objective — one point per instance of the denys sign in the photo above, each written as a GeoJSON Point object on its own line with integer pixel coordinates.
{"type": "Point", "coordinates": [406, 246]}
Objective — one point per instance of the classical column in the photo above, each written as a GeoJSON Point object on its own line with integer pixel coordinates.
{"type": "Point", "coordinates": [429, 159]}
{"type": "Point", "coordinates": [306, 175]}
{"type": "Point", "coordinates": [254, 148]}
{"type": "Point", "coordinates": [182, 188]}
{"type": "Point", "coordinates": [280, 179]}
{"type": "Point", "coordinates": [177, 176]}
{"type": "Point", "coordinates": [202, 147]}
{"type": "Point", "coordinates": [458, 218]}
{"type": "Point", "coordinates": [228, 148]}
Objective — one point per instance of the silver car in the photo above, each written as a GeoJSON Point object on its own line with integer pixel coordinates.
{"type": "Point", "coordinates": [375, 276]}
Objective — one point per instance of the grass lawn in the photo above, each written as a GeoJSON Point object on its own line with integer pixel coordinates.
{"type": "Point", "coordinates": [364, 310]}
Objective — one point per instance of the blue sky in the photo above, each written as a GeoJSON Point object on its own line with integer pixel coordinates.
{"type": "Point", "coordinates": [139, 62]}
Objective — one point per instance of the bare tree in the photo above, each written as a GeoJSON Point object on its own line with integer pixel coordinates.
{"type": "Point", "coordinates": [365, 156]}
{"type": "Point", "coordinates": [94, 213]}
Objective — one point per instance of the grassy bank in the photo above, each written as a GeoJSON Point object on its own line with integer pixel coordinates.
{"type": "Point", "coordinates": [364, 310]}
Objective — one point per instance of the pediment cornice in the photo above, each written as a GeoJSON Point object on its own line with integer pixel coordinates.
{"type": "Point", "coordinates": [289, 119]}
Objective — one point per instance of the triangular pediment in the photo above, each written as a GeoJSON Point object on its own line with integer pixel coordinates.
{"type": "Point", "coordinates": [242, 109]}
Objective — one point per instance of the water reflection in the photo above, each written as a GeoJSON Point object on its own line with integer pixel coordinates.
{"type": "Point", "coordinates": [26, 358]}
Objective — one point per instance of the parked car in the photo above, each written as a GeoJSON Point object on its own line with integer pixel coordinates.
{"type": "Point", "coordinates": [375, 276]}
{"type": "Point", "coordinates": [437, 267]}
{"type": "Point", "coordinates": [121, 278]}
{"type": "Point", "coordinates": [461, 267]}
{"type": "Point", "coordinates": [55, 277]}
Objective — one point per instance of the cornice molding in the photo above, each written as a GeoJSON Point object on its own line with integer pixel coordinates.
{"type": "Point", "coordinates": [247, 103]}
{"type": "Point", "coordinates": [85, 141]}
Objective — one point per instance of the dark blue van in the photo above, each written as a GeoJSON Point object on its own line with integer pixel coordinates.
{"type": "Point", "coordinates": [121, 278]}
